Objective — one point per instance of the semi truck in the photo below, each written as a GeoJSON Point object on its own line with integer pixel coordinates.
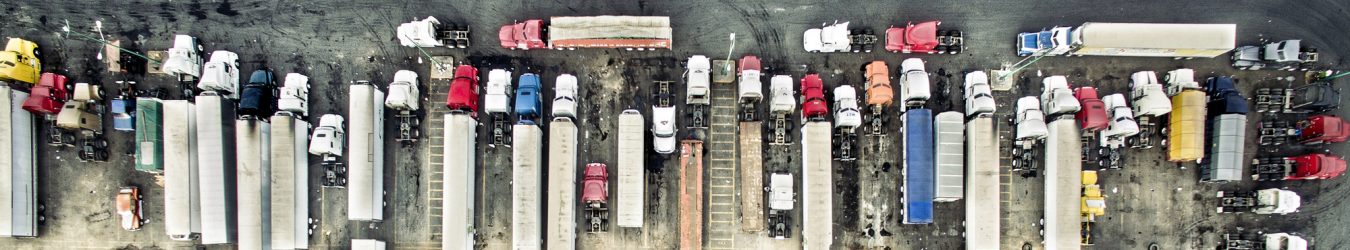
{"type": "Point", "coordinates": [982, 192]}
{"type": "Point", "coordinates": [782, 200]}
{"type": "Point", "coordinates": [924, 37]}
{"type": "Point", "coordinates": [182, 204]}
{"type": "Point", "coordinates": [949, 157]}
{"type": "Point", "coordinates": [814, 107]}
{"type": "Point", "coordinates": [1265, 201]}
{"type": "Point", "coordinates": [1092, 205]}
{"type": "Point", "coordinates": [1314, 166]}
{"type": "Point", "coordinates": [565, 96]}
{"type": "Point", "coordinates": [1286, 55]}
{"type": "Point", "coordinates": [595, 197]}
{"type": "Point", "coordinates": [837, 37]}
{"type": "Point", "coordinates": [216, 165]}
{"type": "Point", "coordinates": [430, 32]}
{"type": "Point", "coordinates": [365, 162]}
{"type": "Point", "coordinates": [632, 171]}
{"type": "Point", "coordinates": [914, 89]}
{"type": "Point", "coordinates": [1122, 126]}
{"type": "Point", "coordinates": [327, 142]}
{"type": "Point", "coordinates": [1318, 97]}
{"type": "Point", "coordinates": [20, 213]}
{"type": "Point", "coordinates": [560, 222]}
{"type": "Point", "coordinates": [221, 73]}
{"type": "Point", "coordinates": [782, 104]}
{"type": "Point", "coordinates": [1258, 241]}
{"type": "Point", "coordinates": [1150, 105]}
{"type": "Point", "coordinates": [185, 58]}
{"type": "Point", "coordinates": [1227, 131]}
{"type": "Point", "coordinates": [403, 99]}
{"type": "Point", "coordinates": [879, 94]}
{"type": "Point", "coordinates": [1063, 166]}
{"type": "Point", "coordinates": [460, 163]}
{"type": "Point", "coordinates": [1092, 117]}
{"type": "Point", "coordinates": [289, 201]}
{"type": "Point", "coordinates": [697, 80]}
{"type": "Point", "coordinates": [527, 176]}
{"type": "Point", "coordinates": [294, 96]}
{"type": "Point", "coordinates": [572, 32]}
{"type": "Point", "coordinates": [1031, 130]}
{"type": "Point", "coordinates": [1174, 40]}
{"type": "Point", "coordinates": [817, 187]}
{"type": "Point", "coordinates": [663, 129]}
{"type": "Point", "coordinates": [847, 119]}
{"type": "Point", "coordinates": [19, 61]}
{"type": "Point", "coordinates": [149, 135]}
{"type": "Point", "coordinates": [497, 104]}
{"type": "Point", "coordinates": [1186, 124]}
{"type": "Point", "coordinates": [254, 187]}
{"type": "Point", "coordinates": [919, 167]}
{"type": "Point", "coordinates": [749, 88]}
{"type": "Point", "coordinates": [1313, 130]}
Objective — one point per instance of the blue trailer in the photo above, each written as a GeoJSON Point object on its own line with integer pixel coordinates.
{"type": "Point", "coordinates": [527, 99]}
{"type": "Point", "coordinates": [919, 164]}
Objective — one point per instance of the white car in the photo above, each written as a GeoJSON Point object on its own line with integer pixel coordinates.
{"type": "Point", "coordinates": [979, 97]}
{"type": "Point", "coordinates": [1057, 98]}
{"type": "Point", "coordinates": [184, 58]}
{"type": "Point", "coordinates": [914, 82]}
{"type": "Point", "coordinates": [1147, 95]}
{"type": "Point", "coordinates": [221, 74]}
{"type": "Point", "coordinates": [329, 137]}
{"type": "Point", "coordinates": [830, 38]}
{"type": "Point", "coordinates": [784, 100]}
{"type": "Point", "coordinates": [697, 80]}
{"type": "Point", "coordinates": [565, 96]}
{"type": "Point", "coordinates": [294, 94]}
{"type": "Point", "coordinates": [663, 129]}
{"type": "Point", "coordinates": [497, 93]}
{"type": "Point", "coordinates": [403, 92]}
{"type": "Point", "coordinates": [1030, 119]}
{"type": "Point", "coordinates": [846, 113]}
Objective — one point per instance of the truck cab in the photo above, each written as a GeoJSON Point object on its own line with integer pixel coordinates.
{"type": "Point", "coordinates": [1224, 97]}
{"type": "Point", "coordinates": [1320, 129]}
{"type": "Point", "coordinates": [814, 107]}
{"type": "Point", "coordinates": [781, 202]}
{"type": "Point", "coordinates": [328, 137]}
{"type": "Point", "coordinates": [295, 94]}
{"type": "Point", "coordinates": [879, 92]}
{"type": "Point", "coordinates": [1147, 95]}
{"type": "Point", "coordinates": [595, 196]}
{"type": "Point", "coordinates": [497, 96]}
{"type": "Point", "coordinates": [221, 73]}
{"type": "Point", "coordinates": [525, 35]}
{"type": "Point", "coordinates": [697, 80]}
{"type": "Point", "coordinates": [258, 98]}
{"type": "Point", "coordinates": [1265, 201]}
{"type": "Point", "coordinates": [79, 116]}
{"type": "Point", "coordinates": [527, 99]}
{"type": "Point", "coordinates": [780, 86]}
{"type": "Point", "coordinates": [1179, 80]}
{"type": "Point", "coordinates": [47, 96]}
{"type": "Point", "coordinates": [1057, 98]}
{"type": "Point", "coordinates": [403, 91]}
{"type": "Point", "coordinates": [838, 37]}
{"type": "Point", "coordinates": [1092, 116]}
{"type": "Point", "coordinates": [1287, 55]}
{"type": "Point", "coordinates": [750, 89]}
{"type": "Point", "coordinates": [1030, 43]}
{"type": "Point", "coordinates": [1122, 123]}
{"type": "Point", "coordinates": [1030, 119]}
{"type": "Point", "coordinates": [1318, 166]}
{"type": "Point", "coordinates": [565, 96]}
{"type": "Point", "coordinates": [914, 83]}
{"type": "Point", "coordinates": [129, 208]}
{"type": "Point", "coordinates": [463, 96]}
{"type": "Point", "coordinates": [1318, 97]}
{"type": "Point", "coordinates": [19, 61]}
{"type": "Point", "coordinates": [185, 57]}
{"type": "Point", "coordinates": [979, 96]}
{"type": "Point", "coordinates": [846, 113]}
{"type": "Point", "coordinates": [663, 129]}
{"type": "Point", "coordinates": [924, 38]}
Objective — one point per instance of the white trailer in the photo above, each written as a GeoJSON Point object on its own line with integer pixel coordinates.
{"type": "Point", "coordinates": [290, 181]}
{"type": "Point", "coordinates": [182, 205]}
{"type": "Point", "coordinates": [368, 244]}
{"type": "Point", "coordinates": [216, 167]}
{"type": "Point", "coordinates": [526, 189]}
{"type": "Point", "coordinates": [365, 162]}
{"type": "Point", "coordinates": [631, 200]}
{"type": "Point", "coordinates": [817, 187]}
{"type": "Point", "coordinates": [1153, 39]}
{"type": "Point", "coordinates": [982, 184]}
{"type": "Point", "coordinates": [1063, 184]}
{"type": "Point", "coordinates": [18, 167]}
{"type": "Point", "coordinates": [950, 157]}
{"type": "Point", "coordinates": [457, 215]}
{"type": "Point", "coordinates": [562, 184]}
{"type": "Point", "coordinates": [254, 183]}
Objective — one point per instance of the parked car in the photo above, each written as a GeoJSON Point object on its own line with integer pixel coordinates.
{"type": "Point", "coordinates": [129, 208]}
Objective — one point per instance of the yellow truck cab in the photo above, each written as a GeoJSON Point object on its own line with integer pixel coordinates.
{"type": "Point", "coordinates": [19, 62]}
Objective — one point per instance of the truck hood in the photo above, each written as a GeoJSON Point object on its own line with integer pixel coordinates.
{"type": "Point", "coordinates": [780, 192]}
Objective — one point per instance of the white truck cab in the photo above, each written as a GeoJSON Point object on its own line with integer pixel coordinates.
{"type": "Point", "coordinates": [750, 89]}
{"type": "Point", "coordinates": [1062, 40]}
{"type": "Point", "coordinates": [1058, 98]}
{"type": "Point", "coordinates": [830, 38]}
{"type": "Point", "coordinates": [663, 129]}
{"type": "Point", "coordinates": [1147, 95]}
{"type": "Point", "coordinates": [329, 137]}
{"type": "Point", "coordinates": [914, 83]}
{"type": "Point", "coordinates": [294, 95]}
{"type": "Point", "coordinates": [184, 58]}
{"type": "Point", "coordinates": [221, 74]}
{"type": "Point", "coordinates": [1122, 122]}
{"type": "Point", "coordinates": [1030, 119]}
{"type": "Point", "coordinates": [784, 99]}
{"type": "Point", "coordinates": [1181, 79]}
{"type": "Point", "coordinates": [979, 96]}
{"type": "Point", "coordinates": [419, 33]}
{"type": "Point", "coordinates": [846, 113]}
{"type": "Point", "coordinates": [698, 78]}
{"type": "Point", "coordinates": [403, 92]}
{"type": "Point", "coordinates": [497, 93]}
{"type": "Point", "coordinates": [565, 96]}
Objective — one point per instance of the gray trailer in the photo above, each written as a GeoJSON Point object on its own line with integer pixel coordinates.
{"type": "Point", "coordinates": [1227, 142]}
{"type": "Point", "coordinates": [562, 185]}
{"type": "Point", "coordinates": [631, 201]}
{"type": "Point", "coordinates": [254, 188]}
{"type": "Point", "coordinates": [216, 167]}
{"type": "Point", "coordinates": [365, 158]}
{"type": "Point", "coordinates": [18, 167]}
{"type": "Point", "coordinates": [950, 157]}
{"type": "Point", "coordinates": [290, 181]}
{"type": "Point", "coordinates": [182, 204]}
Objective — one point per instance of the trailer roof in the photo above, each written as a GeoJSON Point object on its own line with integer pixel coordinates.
{"type": "Point", "coordinates": [1158, 35]}
{"type": "Point", "coordinates": [918, 166]}
{"type": "Point", "coordinates": [630, 202]}
{"type": "Point", "coordinates": [950, 155]}
{"type": "Point", "coordinates": [982, 184]}
{"type": "Point", "coordinates": [1186, 129]}
{"type": "Point", "coordinates": [365, 156]}
{"type": "Point", "coordinates": [1226, 159]}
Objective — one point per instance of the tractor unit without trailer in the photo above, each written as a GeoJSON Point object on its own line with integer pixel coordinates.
{"type": "Point", "coordinates": [749, 90]}
{"type": "Point", "coordinates": [924, 37]}
{"type": "Point", "coordinates": [1319, 97]}
{"type": "Point", "coordinates": [1031, 130]}
{"type": "Point", "coordinates": [697, 80]}
{"type": "Point", "coordinates": [1317, 129]}
{"type": "Point", "coordinates": [1315, 166]}
{"type": "Point", "coordinates": [1092, 119]}
{"type": "Point", "coordinates": [1227, 131]}
{"type": "Point", "coordinates": [595, 197]}
{"type": "Point", "coordinates": [879, 94]}
{"type": "Point", "coordinates": [847, 118]}
{"type": "Point", "coordinates": [781, 105]}
{"type": "Point", "coordinates": [838, 37]}
{"type": "Point", "coordinates": [430, 32]}
{"type": "Point", "coordinates": [663, 121]}
{"type": "Point", "coordinates": [1265, 201]}
{"type": "Point", "coordinates": [1150, 105]}
{"type": "Point", "coordinates": [403, 99]}
{"type": "Point", "coordinates": [1112, 141]}
{"type": "Point", "coordinates": [571, 32]}
{"type": "Point", "coordinates": [497, 104]}
{"type": "Point", "coordinates": [327, 142]}
{"type": "Point", "coordinates": [461, 128]}
{"type": "Point", "coordinates": [782, 198]}
{"type": "Point", "coordinates": [1258, 241]}
{"type": "Point", "coordinates": [1289, 55]}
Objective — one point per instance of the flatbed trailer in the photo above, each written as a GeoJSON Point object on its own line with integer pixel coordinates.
{"type": "Point", "coordinates": [290, 181]}
{"type": "Point", "coordinates": [526, 189]}
{"type": "Point", "coordinates": [365, 157]}
{"type": "Point", "coordinates": [562, 185]}
{"type": "Point", "coordinates": [182, 204]}
{"type": "Point", "coordinates": [216, 165]}
{"type": "Point", "coordinates": [752, 177]}
{"type": "Point", "coordinates": [983, 203]}
{"type": "Point", "coordinates": [460, 163]}
{"type": "Point", "coordinates": [631, 199]}
{"type": "Point", "coordinates": [1063, 184]}
{"type": "Point", "coordinates": [253, 137]}
{"type": "Point", "coordinates": [691, 195]}
{"type": "Point", "coordinates": [817, 187]}
{"type": "Point", "coordinates": [19, 211]}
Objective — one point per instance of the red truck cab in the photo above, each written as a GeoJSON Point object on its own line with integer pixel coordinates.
{"type": "Point", "coordinates": [1323, 129]}
{"type": "Point", "coordinates": [914, 38]}
{"type": "Point", "coordinates": [1318, 166]}
{"type": "Point", "coordinates": [748, 63]}
{"type": "Point", "coordinates": [813, 98]}
{"type": "Point", "coordinates": [595, 184]}
{"type": "Point", "coordinates": [1092, 117]}
{"type": "Point", "coordinates": [48, 95]}
{"type": "Point", "coordinates": [525, 35]}
{"type": "Point", "coordinates": [463, 96]}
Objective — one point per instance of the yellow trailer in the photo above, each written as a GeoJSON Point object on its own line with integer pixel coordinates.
{"type": "Point", "coordinates": [19, 61]}
{"type": "Point", "coordinates": [1186, 127]}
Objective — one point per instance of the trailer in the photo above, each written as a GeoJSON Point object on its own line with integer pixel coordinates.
{"type": "Point", "coordinates": [924, 37]}
{"type": "Point", "coordinates": [752, 176]}
{"type": "Point", "coordinates": [365, 162]}
{"type": "Point", "coordinates": [632, 171]}
{"type": "Point", "coordinates": [216, 167]}
{"type": "Point", "coordinates": [182, 204]}
{"type": "Point", "coordinates": [837, 37]}
{"type": "Point", "coordinates": [983, 200]}
{"type": "Point", "coordinates": [1144, 39]}
{"type": "Point", "coordinates": [918, 167]}
{"type": "Point", "coordinates": [1063, 167]}
{"type": "Point", "coordinates": [460, 163]}
{"type": "Point", "coordinates": [254, 186]}
{"type": "Point", "coordinates": [367, 244]}
{"type": "Point", "coordinates": [20, 213]}
{"type": "Point", "coordinates": [560, 222]}
{"type": "Point", "coordinates": [949, 157]}
{"type": "Point", "coordinates": [1257, 241]}
{"type": "Point", "coordinates": [1265, 201]}
{"type": "Point", "coordinates": [149, 135]}
{"type": "Point", "coordinates": [572, 32]}
{"type": "Point", "coordinates": [526, 190]}
{"type": "Point", "coordinates": [289, 201]}
{"type": "Point", "coordinates": [1315, 166]}
{"type": "Point", "coordinates": [817, 187]}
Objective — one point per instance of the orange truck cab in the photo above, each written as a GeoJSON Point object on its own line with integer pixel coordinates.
{"type": "Point", "coordinates": [879, 91]}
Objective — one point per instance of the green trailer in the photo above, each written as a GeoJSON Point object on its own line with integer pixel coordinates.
{"type": "Point", "coordinates": [149, 135]}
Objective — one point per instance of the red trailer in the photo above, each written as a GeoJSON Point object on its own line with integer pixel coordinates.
{"type": "Point", "coordinates": [595, 196]}
{"type": "Point", "coordinates": [463, 96]}
{"type": "Point", "coordinates": [814, 107]}
{"type": "Point", "coordinates": [1316, 166]}
{"type": "Point", "coordinates": [632, 32]}
{"type": "Point", "coordinates": [924, 37]}
{"type": "Point", "coordinates": [1092, 117]}
{"type": "Point", "coordinates": [48, 95]}
{"type": "Point", "coordinates": [1323, 129]}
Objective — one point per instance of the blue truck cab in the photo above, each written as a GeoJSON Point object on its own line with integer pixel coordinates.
{"type": "Point", "coordinates": [1224, 97]}
{"type": "Point", "coordinates": [527, 99]}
